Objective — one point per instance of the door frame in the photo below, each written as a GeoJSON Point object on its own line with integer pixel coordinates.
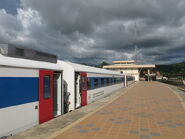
{"type": "Point", "coordinates": [45, 104]}
{"type": "Point", "coordinates": [59, 93]}
{"type": "Point", "coordinates": [83, 88]}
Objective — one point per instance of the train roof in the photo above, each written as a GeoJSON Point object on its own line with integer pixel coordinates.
{"type": "Point", "coordinates": [84, 68]}
{"type": "Point", "coordinates": [16, 56]}
{"type": "Point", "coordinates": [26, 63]}
{"type": "Point", "coordinates": [60, 65]}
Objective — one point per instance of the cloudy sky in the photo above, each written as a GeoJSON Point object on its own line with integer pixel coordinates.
{"type": "Point", "coordinates": [92, 31]}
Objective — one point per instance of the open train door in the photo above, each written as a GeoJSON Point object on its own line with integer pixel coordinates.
{"type": "Point", "coordinates": [45, 95]}
{"type": "Point", "coordinates": [83, 88]}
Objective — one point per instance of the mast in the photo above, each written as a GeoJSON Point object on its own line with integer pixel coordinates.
{"type": "Point", "coordinates": [135, 43]}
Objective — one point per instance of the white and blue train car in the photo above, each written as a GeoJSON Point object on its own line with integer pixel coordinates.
{"type": "Point", "coordinates": [27, 90]}
{"type": "Point", "coordinates": [35, 87]}
{"type": "Point", "coordinates": [87, 84]}
{"type": "Point", "coordinates": [130, 80]}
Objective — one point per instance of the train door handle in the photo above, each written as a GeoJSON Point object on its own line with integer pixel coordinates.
{"type": "Point", "coordinates": [36, 107]}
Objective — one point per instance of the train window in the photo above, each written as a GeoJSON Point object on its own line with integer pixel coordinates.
{"type": "Point", "coordinates": [114, 80]}
{"type": "Point", "coordinates": [46, 87]}
{"type": "Point", "coordinates": [117, 80]}
{"type": "Point", "coordinates": [120, 80]}
{"type": "Point", "coordinates": [102, 82]}
{"type": "Point", "coordinates": [110, 81]}
{"type": "Point", "coordinates": [107, 81]}
{"type": "Point", "coordinates": [96, 83]}
{"type": "Point", "coordinates": [89, 84]}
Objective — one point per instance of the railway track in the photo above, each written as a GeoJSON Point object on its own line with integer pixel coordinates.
{"type": "Point", "coordinates": [177, 83]}
{"type": "Point", "coordinates": [181, 88]}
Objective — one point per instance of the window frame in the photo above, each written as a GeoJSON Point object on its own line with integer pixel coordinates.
{"type": "Point", "coordinates": [46, 95]}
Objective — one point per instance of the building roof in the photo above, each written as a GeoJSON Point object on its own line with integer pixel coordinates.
{"type": "Point", "coordinates": [126, 66]}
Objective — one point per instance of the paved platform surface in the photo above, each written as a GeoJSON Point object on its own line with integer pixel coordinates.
{"type": "Point", "coordinates": [149, 110]}
{"type": "Point", "coordinates": [51, 127]}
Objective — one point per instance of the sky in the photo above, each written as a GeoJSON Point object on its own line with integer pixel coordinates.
{"type": "Point", "coordinates": [93, 31]}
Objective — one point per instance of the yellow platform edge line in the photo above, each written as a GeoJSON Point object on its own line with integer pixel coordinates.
{"type": "Point", "coordinates": [57, 133]}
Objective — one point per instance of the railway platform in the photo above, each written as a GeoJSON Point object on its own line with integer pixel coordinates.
{"type": "Point", "coordinates": [146, 110]}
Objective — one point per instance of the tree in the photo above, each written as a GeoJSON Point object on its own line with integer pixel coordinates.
{"type": "Point", "coordinates": [104, 64]}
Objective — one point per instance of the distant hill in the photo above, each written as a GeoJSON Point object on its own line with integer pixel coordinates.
{"type": "Point", "coordinates": [166, 70]}
{"type": "Point", "coordinates": [172, 69]}
{"type": "Point", "coordinates": [98, 65]}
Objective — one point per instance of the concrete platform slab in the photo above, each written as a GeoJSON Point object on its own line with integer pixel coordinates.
{"type": "Point", "coordinates": [148, 110]}
{"type": "Point", "coordinates": [53, 126]}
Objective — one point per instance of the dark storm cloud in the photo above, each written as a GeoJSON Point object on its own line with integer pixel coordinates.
{"type": "Point", "coordinates": [86, 31]}
{"type": "Point", "coordinates": [82, 15]}
{"type": "Point", "coordinates": [169, 58]}
{"type": "Point", "coordinates": [153, 42]}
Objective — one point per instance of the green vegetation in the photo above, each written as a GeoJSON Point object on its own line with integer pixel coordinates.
{"type": "Point", "coordinates": [104, 64]}
{"type": "Point", "coordinates": [177, 69]}
{"type": "Point", "coordinates": [98, 65]}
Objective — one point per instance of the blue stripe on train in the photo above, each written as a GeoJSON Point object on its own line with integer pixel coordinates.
{"type": "Point", "coordinates": [18, 90]}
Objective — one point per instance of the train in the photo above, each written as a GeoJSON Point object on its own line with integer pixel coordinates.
{"type": "Point", "coordinates": [36, 87]}
{"type": "Point", "coordinates": [178, 80]}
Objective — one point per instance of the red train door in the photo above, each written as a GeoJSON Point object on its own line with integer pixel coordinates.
{"type": "Point", "coordinates": [84, 88]}
{"type": "Point", "coordinates": [45, 95]}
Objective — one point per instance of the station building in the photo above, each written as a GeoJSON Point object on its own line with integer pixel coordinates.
{"type": "Point", "coordinates": [130, 68]}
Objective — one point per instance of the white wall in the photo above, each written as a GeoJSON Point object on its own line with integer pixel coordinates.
{"type": "Point", "coordinates": [59, 95]}
{"type": "Point", "coordinates": [69, 77]}
{"type": "Point", "coordinates": [132, 72]}
{"type": "Point", "coordinates": [18, 72]}
{"type": "Point", "coordinates": [18, 118]}
{"type": "Point", "coordinates": [95, 94]}
{"type": "Point", "coordinates": [102, 75]}
{"type": "Point", "coordinates": [136, 77]}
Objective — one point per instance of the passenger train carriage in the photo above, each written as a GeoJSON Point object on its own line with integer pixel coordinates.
{"type": "Point", "coordinates": [36, 87]}
{"type": "Point", "coordinates": [87, 84]}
